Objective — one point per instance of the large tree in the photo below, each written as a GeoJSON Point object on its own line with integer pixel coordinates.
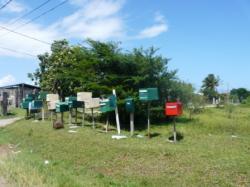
{"type": "Point", "coordinates": [240, 93]}
{"type": "Point", "coordinates": [209, 86]}
{"type": "Point", "coordinates": [100, 67]}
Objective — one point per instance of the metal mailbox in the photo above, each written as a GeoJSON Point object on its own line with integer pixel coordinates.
{"type": "Point", "coordinates": [129, 105]}
{"type": "Point", "coordinates": [109, 104]}
{"type": "Point", "coordinates": [148, 94]}
{"type": "Point", "coordinates": [84, 96]}
{"type": "Point", "coordinates": [25, 104]}
{"type": "Point", "coordinates": [52, 97]}
{"type": "Point", "coordinates": [93, 103]}
{"type": "Point", "coordinates": [42, 95]}
{"type": "Point", "coordinates": [73, 103]}
{"type": "Point", "coordinates": [36, 105]}
{"type": "Point", "coordinates": [62, 107]}
{"type": "Point", "coordinates": [173, 109]}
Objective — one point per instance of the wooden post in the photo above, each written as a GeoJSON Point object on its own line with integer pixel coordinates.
{"type": "Point", "coordinates": [148, 119]}
{"type": "Point", "coordinates": [70, 116]}
{"type": "Point", "coordinates": [83, 115]}
{"type": "Point", "coordinates": [76, 116]}
{"type": "Point", "coordinates": [174, 130]}
{"type": "Point", "coordinates": [62, 117]}
{"type": "Point", "coordinates": [131, 123]}
{"type": "Point", "coordinates": [93, 119]}
{"type": "Point", "coordinates": [5, 104]}
{"type": "Point", "coordinates": [43, 113]}
{"type": "Point", "coordinates": [107, 122]}
{"type": "Point", "coordinates": [117, 117]}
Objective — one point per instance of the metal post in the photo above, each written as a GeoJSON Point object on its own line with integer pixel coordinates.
{"type": "Point", "coordinates": [76, 116]}
{"type": "Point", "coordinates": [117, 117]}
{"type": "Point", "coordinates": [174, 130]}
{"type": "Point", "coordinates": [93, 119]}
{"type": "Point", "coordinates": [131, 123]}
{"type": "Point", "coordinates": [148, 119]}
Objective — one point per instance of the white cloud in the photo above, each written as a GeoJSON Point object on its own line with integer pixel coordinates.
{"type": "Point", "coordinates": [22, 44]}
{"type": "Point", "coordinates": [96, 19]}
{"type": "Point", "coordinates": [6, 80]}
{"type": "Point", "coordinates": [13, 7]}
{"type": "Point", "coordinates": [158, 28]}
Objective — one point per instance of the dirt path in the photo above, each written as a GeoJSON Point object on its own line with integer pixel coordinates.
{"type": "Point", "coordinates": [5, 122]}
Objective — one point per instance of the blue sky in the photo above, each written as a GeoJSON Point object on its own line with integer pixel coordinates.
{"type": "Point", "coordinates": [200, 36]}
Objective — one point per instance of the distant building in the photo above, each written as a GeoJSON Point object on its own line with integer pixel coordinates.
{"type": "Point", "coordinates": [17, 92]}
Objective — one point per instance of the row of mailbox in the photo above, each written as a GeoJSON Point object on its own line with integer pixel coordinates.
{"type": "Point", "coordinates": [106, 105]}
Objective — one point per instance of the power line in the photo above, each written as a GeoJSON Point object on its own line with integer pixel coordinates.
{"type": "Point", "coordinates": [44, 13]}
{"type": "Point", "coordinates": [35, 18]}
{"type": "Point", "coordinates": [4, 5]}
{"type": "Point", "coordinates": [24, 35]}
{"type": "Point", "coordinates": [30, 12]}
{"type": "Point", "coordinates": [15, 51]}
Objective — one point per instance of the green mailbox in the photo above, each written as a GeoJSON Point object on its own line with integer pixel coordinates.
{"type": "Point", "coordinates": [109, 104]}
{"type": "Point", "coordinates": [73, 103]}
{"type": "Point", "coordinates": [25, 104]}
{"type": "Point", "coordinates": [130, 106]}
{"type": "Point", "coordinates": [62, 107]}
{"type": "Point", "coordinates": [36, 104]}
{"type": "Point", "coordinates": [148, 94]}
{"type": "Point", "coordinates": [42, 95]}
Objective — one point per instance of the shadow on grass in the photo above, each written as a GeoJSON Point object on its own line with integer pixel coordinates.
{"type": "Point", "coordinates": [179, 137]}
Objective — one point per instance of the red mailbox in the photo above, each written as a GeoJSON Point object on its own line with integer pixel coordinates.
{"type": "Point", "coordinates": [173, 109]}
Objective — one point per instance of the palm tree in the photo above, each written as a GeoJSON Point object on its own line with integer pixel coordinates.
{"type": "Point", "coordinates": [210, 83]}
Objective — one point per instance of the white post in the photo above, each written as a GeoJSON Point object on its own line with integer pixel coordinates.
{"type": "Point", "coordinates": [117, 116]}
{"type": "Point", "coordinates": [174, 131]}
{"type": "Point", "coordinates": [131, 123]}
{"type": "Point", "coordinates": [43, 113]}
{"type": "Point", "coordinates": [148, 120]}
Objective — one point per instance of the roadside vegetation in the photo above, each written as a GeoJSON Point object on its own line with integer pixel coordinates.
{"type": "Point", "coordinates": [214, 151]}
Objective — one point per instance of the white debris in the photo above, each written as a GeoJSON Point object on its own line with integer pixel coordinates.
{"type": "Point", "coordinates": [73, 127]}
{"type": "Point", "coordinates": [46, 162]}
{"type": "Point", "coordinates": [233, 136]}
{"type": "Point", "coordinates": [16, 152]}
{"type": "Point", "coordinates": [140, 136]}
{"type": "Point", "coordinates": [72, 131]}
{"type": "Point", "coordinates": [118, 137]}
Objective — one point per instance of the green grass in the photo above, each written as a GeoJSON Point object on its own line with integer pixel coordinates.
{"type": "Point", "coordinates": [13, 112]}
{"type": "Point", "coordinates": [206, 156]}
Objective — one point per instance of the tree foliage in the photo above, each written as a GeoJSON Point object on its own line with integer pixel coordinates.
{"type": "Point", "coordinates": [102, 66]}
{"type": "Point", "coordinates": [240, 94]}
{"type": "Point", "coordinates": [209, 87]}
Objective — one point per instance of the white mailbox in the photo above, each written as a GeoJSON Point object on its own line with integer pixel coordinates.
{"type": "Point", "coordinates": [92, 103]}
{"type": "Point", "coordinates": [84, 96]}
{"type": "Point", "coordinates": [52, 105]}
{"type": "Point", "coordinates": [52, 97]}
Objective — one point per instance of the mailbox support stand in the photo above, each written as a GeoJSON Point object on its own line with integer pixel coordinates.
{"type": "Point", "coordinates": [70, 116]}
{"type": "Point", "coordinates": [148, 119]}
{"type": "Point", "coordinates": [76, 116]}
{"type": "Point", "coordinates": [83, 115]}
{"type": "Point", "coordinates": [93, 118]}
{"type": "Point", "coordinates": [62, 117]}
{"type": "Point", "coordinates": [131, 123]}
{"type": "Point", "coordinates": [107, 122]}
{"type": "Point", "coordinates": [43, 113]}
{"type": "Point", "coordinates": [174, 130]}
{"type": "Point", "coordinates": [117, 116]}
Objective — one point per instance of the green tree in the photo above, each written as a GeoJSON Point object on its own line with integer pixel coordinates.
{"type": "Point", "coordinates": [241, 93]}
{"type": "Point", "coordinates": [209, 87]}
